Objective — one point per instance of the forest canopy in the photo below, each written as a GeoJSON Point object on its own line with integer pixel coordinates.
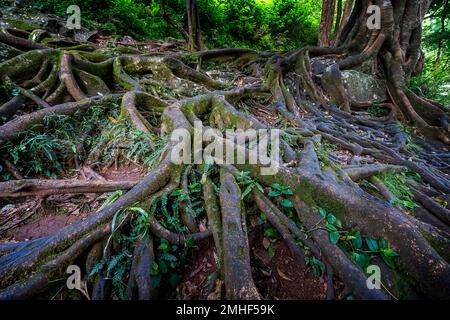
{"type": "Point", "coordinates": [263, 24]}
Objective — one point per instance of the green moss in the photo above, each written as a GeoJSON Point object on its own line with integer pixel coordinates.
{"type": "Point", "coordinates": [241, 253]}
{"type": "Point", "coordinates": [435, 245]}
{"type": "Point", "coordinates": [21, 25]}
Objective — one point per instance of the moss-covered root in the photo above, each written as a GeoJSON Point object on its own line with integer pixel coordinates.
{"type": "Point", "coordinates": [26, 257]}
{"type": "Point", "coordinates": [129, 111]}
{"type": "Point", "coordinates": [185, 205]}
{"type": "Point", "coordinates": [351, 274]}
{"type": "Point", "coordinates": [140, 283]}
{"type": "Point", "coordinates": [214, 220]}
{"type": "Point", "coordinates": [237, 271]}
{"type": "Point", "coordinates": [66, 76]}
{"type": "Point", "coordinates": [24, 64]}
{"type": "Point", "coordinates": [264, 206]}
{"type": "Point", "coordinates": [56, 266]}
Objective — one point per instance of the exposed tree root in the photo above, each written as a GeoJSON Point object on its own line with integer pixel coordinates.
{"type": "Point", "coordinates": [25, 188]}
{"type": "Point", "coordinates": [164, 93]}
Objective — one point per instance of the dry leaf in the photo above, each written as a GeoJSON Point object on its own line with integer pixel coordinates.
{"type": "Point", "coordinates": [282, 275]}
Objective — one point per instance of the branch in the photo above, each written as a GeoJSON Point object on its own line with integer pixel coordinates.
{"type": "Point", "coordinates": [171, 21]}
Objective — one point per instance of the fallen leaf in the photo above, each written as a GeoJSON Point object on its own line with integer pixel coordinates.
{"type": "Point", "coordinates": [282, 275]}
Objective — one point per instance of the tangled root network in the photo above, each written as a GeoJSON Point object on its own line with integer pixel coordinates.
{"type": "Point", "coordinates": [334, 200]}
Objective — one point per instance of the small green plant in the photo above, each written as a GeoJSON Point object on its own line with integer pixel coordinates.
{"type": "Point", "coordinates": [168, 260]}
{"type": "Point", "coordinates": [246, 182]}
{"type": "Point", "coordinates": [281, 193]}
{"type": "Point", "coordinates": [10, 88]}
{"type": "Point", "coordinates": [193, 198]}
{"type": "Point", "coordinates": [316, 265]}
{"type": "Point", "coordinates": [116, 268]}
{"type": "Point", "coordinates": [271, 234]}
{"type": "Point", "coordinates": [397, 185]}
{"type": "Point", "coordinates": [377, 111]}
{"type": "Point", "coordinates": [360, 248]}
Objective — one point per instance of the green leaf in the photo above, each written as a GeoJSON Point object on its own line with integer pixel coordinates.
{"type": "Point", "coordinates": [357, 242]}
{"type": "Point", "coordinates": [372, 244]}
{"type": "Point", "coordinates": [323, 213]}
{"type": "Point", "coordinates": [246, 192]}
{"type": "Point", "coordinates": [260, 188]}
{"type": "Point", "coordinates": [331, 219]}
{"type": "Point", "coordinates": [164, 246]}
{"type": "Point", "coordinates": [271, 233]}
{"type": "Point", "coordinates": [361, 259]}
{"type": "Point", "coordinates": [287, 203]}
{"type": "Point", "coordinates": [277, 186]}
{"type": "Point", "coordinates": [382, 243]}
{"type": "Point", "coordinates": [388, 260]}
{"type": "Point", "coordinates": [274, 193]}
{"type": "Point", "coordinates": [330, 227]}
{"type": "Point", "coordinates": [155, 269]}
{"type": "Point", "coordinates": [287, 192]}
{"type": "Point", "coordinates": [271, 249]}
{"type": "Point", "coordinates": [334, 237]}
{"type": "Point", "coordinates": [389, 252]}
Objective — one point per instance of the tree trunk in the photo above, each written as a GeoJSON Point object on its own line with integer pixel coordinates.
{"type": "Point", "coordinates": [195, 42]}
{"type": "Point", "coordinates": [393, 48]}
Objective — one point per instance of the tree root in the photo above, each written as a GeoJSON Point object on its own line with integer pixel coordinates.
{"type": "Point", "coordinates": [44, 188]}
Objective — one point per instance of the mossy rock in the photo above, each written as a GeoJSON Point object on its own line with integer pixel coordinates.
{"type": "Point", "coordinates": [363, 87]}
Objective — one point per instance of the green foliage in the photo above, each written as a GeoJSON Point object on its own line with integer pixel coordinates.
{"type": "Point", "coordinates": [46, 148]}
{"type": "Point", "coordinates": [193, 198]}
{"type": "Point", "coordinates": [136, 146]}
{"type": "Point", "coordinates": [434, 81]}
{"type": "Point", "coordinates": [360, 248]}
{"type": "Point", "coordinates": [246, 183]}
{"type": "Point", "coordinates": [281, 192]}
{"type": "Point", "coordinates": [317, 266]}
{"type": "Point", "coordinates": [277, 24]}
{"type": "Point", "coordinates": [396, 183]}
{"type": "Point", "coordinates": [9, 89]}
{"type": "Point", "coordinates": [117, 266]}
{"type": "Point", "coordinates": [377, 111]}
{"type": "Point", "coordinates": [169, 260]}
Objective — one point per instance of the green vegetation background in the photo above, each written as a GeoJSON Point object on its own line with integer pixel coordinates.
{"type": "Point", "coordinates": [261, 24]}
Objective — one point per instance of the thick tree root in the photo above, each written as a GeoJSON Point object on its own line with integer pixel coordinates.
{"type": "Point", "coordinates": [44, 188]}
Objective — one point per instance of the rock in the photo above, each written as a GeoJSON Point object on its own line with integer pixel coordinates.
{"type": "Point", "coordinates": [85, 36]}
{"type": "Point", "coordinates": [318, 65]}
{"type": "Point", "coordinates": [363, 87]}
